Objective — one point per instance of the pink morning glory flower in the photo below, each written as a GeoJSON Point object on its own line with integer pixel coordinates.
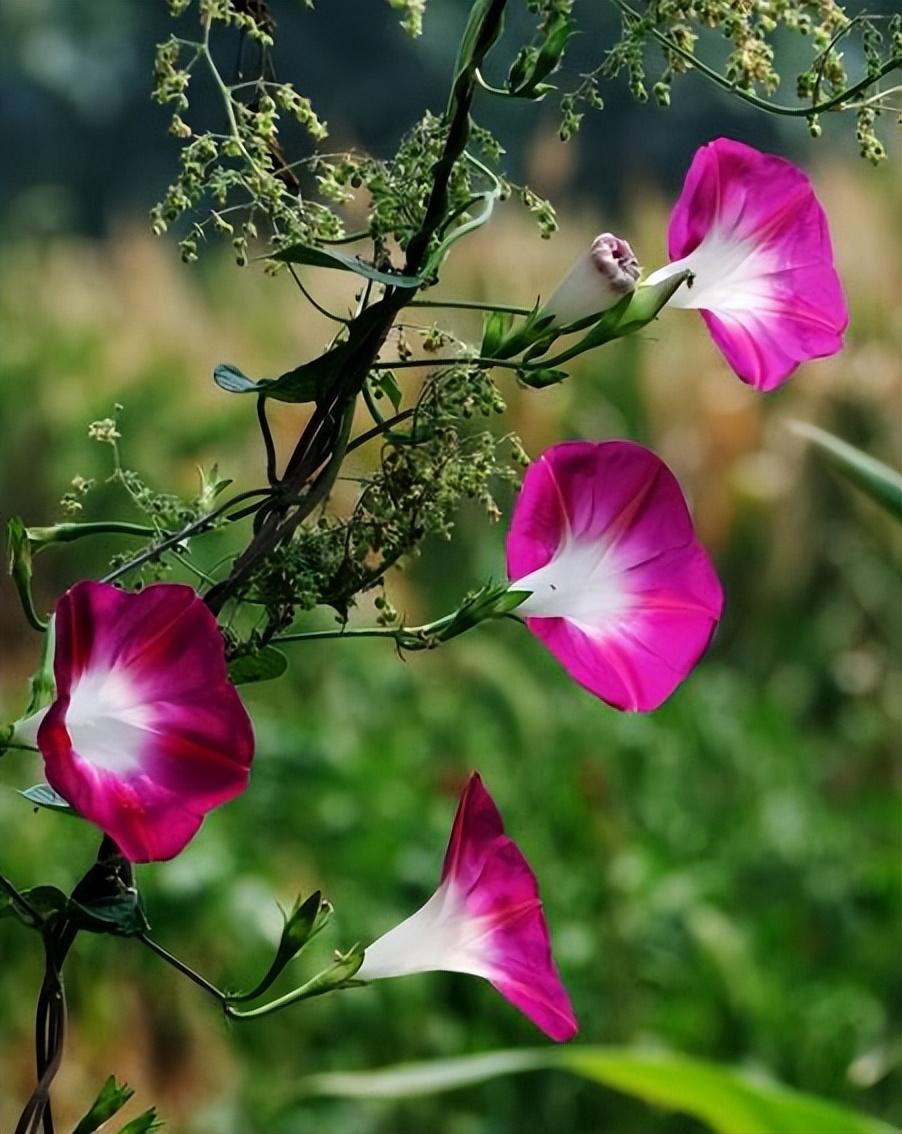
{"type": "Point", "coordinates": [606, 272]}
{"type": "Point", "coordinates": [619, 588]}
{"type": "Point", "coordinates": [485, 919]}
{"type": "Point", "coordinates": [750, 227]}
{"type": "Point", "coordinates": [146, 734]}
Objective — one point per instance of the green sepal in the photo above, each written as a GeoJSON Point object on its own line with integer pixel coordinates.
{"type": "Point", "coordinates": [647, 301]}
{"type": "Point", "coordinates": [537, 328]}
{"type": "Point", "coordinates": [340, 974]}
{"type": "Point", "coordinates": [496, 329]}
{"type": "Point", "coordinates": [266, 665]}
{"type": "Point", "coordinates": [212, 485]}
{"type": "Point", "coordinates": [631, 314]}
{"type": "Point", "coordinates": [112, 1098]}
{"type": "Point", "coordinates": [304, 921]}
{"type": "Point", "coordinates": [539, 379]}
{"type": "Point", "coordinates": [489, 601]}
{"type": "Point", "coordinates": [145, 1123]}
{"type": "Point", "coordinates": [19, 551]}
{"type": "Point", "coordinates": [121, 915]}
{"type": "Point", "coordinates": [324, 258]}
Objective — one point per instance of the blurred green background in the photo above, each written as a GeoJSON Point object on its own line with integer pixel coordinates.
{"type": "Point", "coordinates": [721, 878]}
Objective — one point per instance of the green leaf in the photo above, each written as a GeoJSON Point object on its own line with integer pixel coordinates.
{"type": "Point", "coordinates": [266, 665]}
{"type": "Point", "coordinates": [388, 384]}
{"type": "Point", "coordinates": [526, 81]}
{"type": "Point", "coordinates": [323, 258]}
{"type": "Point", "coordinates": [43, 795]}
{"type": "Point", "coordinates": [299, 385]}
{"type": "Point", "coordinates": [470, 40]}
{"type": "Point", "coordinates": [112, 1098]}
{"type": "Point", "coordinates": [47, 900]}
{"type": "Point", "coordinates": [230, 378]}
{"type": "Point", "coordinates": [878, 480]}
{"type": "Point", "coordinates": [727, 1100]}
{"type": "Point", "coordinates": [30, 913]}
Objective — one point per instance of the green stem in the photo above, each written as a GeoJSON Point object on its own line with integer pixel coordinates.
{"type": "Point", "coordinates": [181, 967]}
{"type": "Point", "coordinates": [406, 637]}
{"type": "Point", "coordinates": [196, 527]}
{"type": "Point", "coordinates": [67, 533]}
{"type": "Point", "coordinates": [326, 981]}
{"type": "Point", "coordinates": [383, 429]}
{"type": "Point", "coordinates": [753, 99]}
{"type": "Point", "coordinates": [438, 363]}
{"type": "Point", "coordinates": [471, 305]}
{"type": "Point", "coordinates": [20, 901]}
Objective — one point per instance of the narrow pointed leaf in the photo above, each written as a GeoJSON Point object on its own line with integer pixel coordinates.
{"type": "Point", "coordinates": [323, 258]}
{"type": "Point", "coordinates": [878, 480]}
{"type": "Point", "coordinates": [725, 1099]}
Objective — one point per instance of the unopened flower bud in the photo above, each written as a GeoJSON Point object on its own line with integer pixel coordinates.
{"type": "Point", "coordinates": [601, 277]}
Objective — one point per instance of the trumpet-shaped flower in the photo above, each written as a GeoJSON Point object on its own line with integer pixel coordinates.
{"type": "Point", "coordinates": [619, 589]}
{"type": "Point", "coordinates": [146, 734]}
{"type": "Point", "coordinates": [606, 272]}
{"type": "Point", "coordinates": [751, 229]}
{"type": "Point", "coordinates": [484, 919]}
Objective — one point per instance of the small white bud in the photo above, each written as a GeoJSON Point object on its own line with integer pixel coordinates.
{"type": "Point", "coordinates": [601, 277]}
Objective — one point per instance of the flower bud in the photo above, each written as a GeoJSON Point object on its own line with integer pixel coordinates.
{"type": "Point", "coordinates": [601, 277]}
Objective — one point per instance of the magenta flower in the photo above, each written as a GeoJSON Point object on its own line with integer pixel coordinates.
{"type": "Point", "coordinates": [620, 590]}
{"type": "Point", "coordinates": [485, 919]}
{"type": "Point", "coordinates": [751, 229]}
{"type": "Point", "coordinates": [146, 734]}
{"type": "Point", "coordinates": [606, 272]}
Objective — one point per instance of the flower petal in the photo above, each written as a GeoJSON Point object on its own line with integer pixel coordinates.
{"type": "Point", "coordinates": [146, 734]}
{"type": "Point", "coordinates": [751, 228]}
{"type": "Point", "coordinates": [621, 592]}
{"type": "Point", "coordinates": [485, 919]}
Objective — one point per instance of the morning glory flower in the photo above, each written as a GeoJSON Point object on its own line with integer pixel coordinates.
{"type": "Point", "coordinates": [484, 919]}
{"type": "Point", "coordinates": [146, 734]}
{"type": "Point", "coordinates": [618, 587]}
{"type": "Point", "coordinates": [606, 272]}
{"type": "Point", "coordinates": [750, 228]}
